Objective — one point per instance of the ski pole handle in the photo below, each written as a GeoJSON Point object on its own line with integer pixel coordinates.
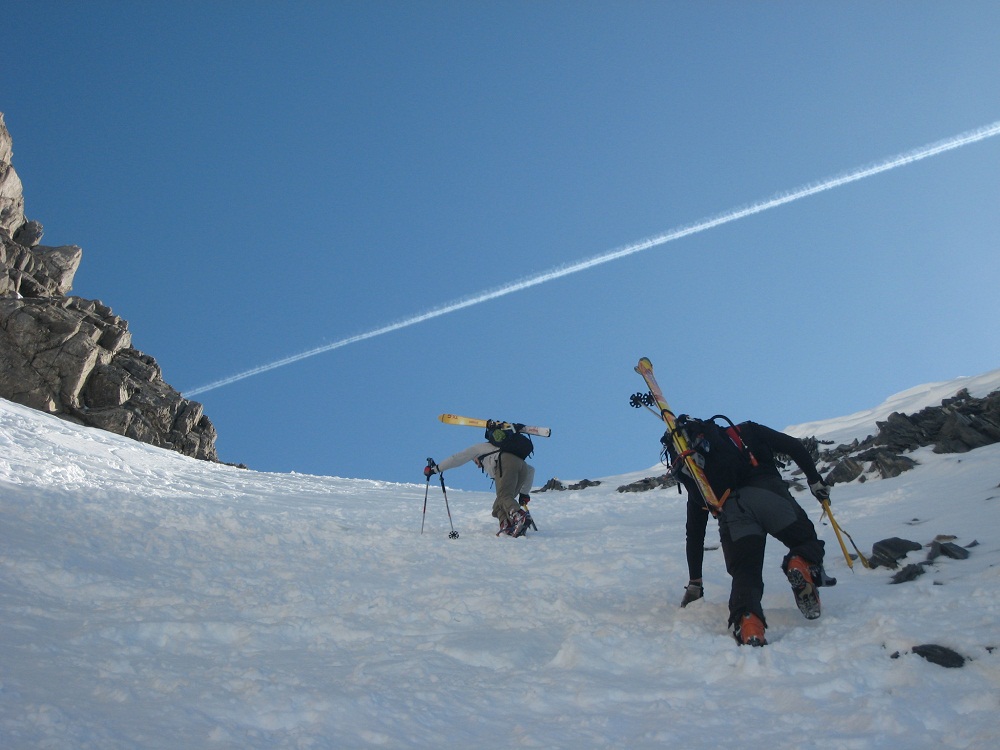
{"type": "Point", "coordinates": [430, 469]}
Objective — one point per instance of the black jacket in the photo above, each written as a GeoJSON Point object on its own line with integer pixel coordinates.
{"type": "Point", "coordinates": [764, 443]}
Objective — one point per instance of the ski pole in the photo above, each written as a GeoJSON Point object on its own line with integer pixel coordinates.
{"type": "Point", "coordinates": [453, 534]}
{"type": "Point", "coordinates": [837, 530]}
{"type": "Point", "coordinates": [430, 462]}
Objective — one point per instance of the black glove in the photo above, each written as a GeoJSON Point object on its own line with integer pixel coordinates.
{"type": "Point", "coordinates": [517, 426]}
{"type": "Point", "coordinates": [820, 490]}
{"type": "Point", "coordinates": [431, 469]}
{"type": "Point", "coordinates": [692, 592]}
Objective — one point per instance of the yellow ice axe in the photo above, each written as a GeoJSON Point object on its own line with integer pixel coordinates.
{"type": "Point", "coordinates": [837, 530]}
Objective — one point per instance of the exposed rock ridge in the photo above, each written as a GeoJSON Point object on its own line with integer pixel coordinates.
{"type": "Point", "coordinates": [960, 424]}
{"type": "Point", "coordinates": [74, 357]}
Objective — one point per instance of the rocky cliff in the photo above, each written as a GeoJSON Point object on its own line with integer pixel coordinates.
{"type": "Point", "coordinates": [73, 357]}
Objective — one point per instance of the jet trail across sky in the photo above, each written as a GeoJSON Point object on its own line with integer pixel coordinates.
{"type": "Point", "coordinates": [933, 149]}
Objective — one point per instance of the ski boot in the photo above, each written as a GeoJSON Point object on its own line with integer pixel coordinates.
{"type": "Point", "coordinates": [800, 576]}
{"type": "Point", "coordinates": [749, 631]}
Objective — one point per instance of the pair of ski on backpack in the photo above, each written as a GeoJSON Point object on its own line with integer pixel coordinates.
{"type": "Point", "coordinates": [715, 457]}
{"type": "Point", "coordinates": [718, 450]}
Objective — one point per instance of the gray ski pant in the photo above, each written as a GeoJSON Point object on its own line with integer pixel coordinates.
{"type": "Point", "coordinates": [512, 477]}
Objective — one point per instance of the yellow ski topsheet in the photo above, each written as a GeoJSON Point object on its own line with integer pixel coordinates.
{"type": "Point", "coordinates": [473, 422]}
{"type": "Point", "coordinates": [645, 369]}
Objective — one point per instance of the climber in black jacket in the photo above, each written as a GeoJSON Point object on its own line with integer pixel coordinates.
{"type": "Point", "coordinates": [761, 505]}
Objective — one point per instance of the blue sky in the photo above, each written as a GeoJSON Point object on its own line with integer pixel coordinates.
{"type": "Point", "coordinates": [249, 181]}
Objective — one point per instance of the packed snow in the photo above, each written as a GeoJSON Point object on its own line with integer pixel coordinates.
{"type": "Point", "coordinates": [148, 600]}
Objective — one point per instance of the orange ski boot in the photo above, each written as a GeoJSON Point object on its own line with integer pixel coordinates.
{"type": "Point", "coordinates": [750, 631]}
{"type": "Point", "coordinates": [806, 596]}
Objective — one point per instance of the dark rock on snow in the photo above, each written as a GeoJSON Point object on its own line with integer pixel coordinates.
{"type": "Point", "coordinates": [908, 573]}
{"type": "Point", "coordinates": [649, 483]}
{"type": "Point", "coordinates": [888, 552]}
{"type": "Point", "coordinates": [941, 655]}
{"type": "Point", "coordinates": [948, 549]}
{"type": "Point", "coordinates": [555, 484]}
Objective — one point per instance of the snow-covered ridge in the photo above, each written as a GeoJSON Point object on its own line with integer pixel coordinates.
{"type": "Point", "coordinates": [862, 424]}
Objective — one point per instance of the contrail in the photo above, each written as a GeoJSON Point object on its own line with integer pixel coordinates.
{"type": "Point", "coordinates": [933, 149]}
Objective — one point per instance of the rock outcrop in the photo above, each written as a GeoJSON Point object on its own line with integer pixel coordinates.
{"type": "Point", "coordinates": [73, 357]}
{"type": "Point", "coordinates": [960, 424]}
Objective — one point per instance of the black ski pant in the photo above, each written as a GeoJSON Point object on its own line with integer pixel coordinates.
{"type": "Point", "coordinates": [744, 523]}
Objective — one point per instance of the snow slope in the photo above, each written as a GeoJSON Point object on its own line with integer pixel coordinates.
{"type": "Point", "coordinates": [148, 600]}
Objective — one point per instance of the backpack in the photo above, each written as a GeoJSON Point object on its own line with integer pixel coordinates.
{"type": "Point", "coordinates": [718, 450]}
{"type": "Point", "coordinates": [509, 441]}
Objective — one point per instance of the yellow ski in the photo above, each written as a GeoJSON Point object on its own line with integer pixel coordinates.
{"type": "Point", "coordinates": [473, 422]}
{"type": "Point", "coordinates": [645, 369]}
